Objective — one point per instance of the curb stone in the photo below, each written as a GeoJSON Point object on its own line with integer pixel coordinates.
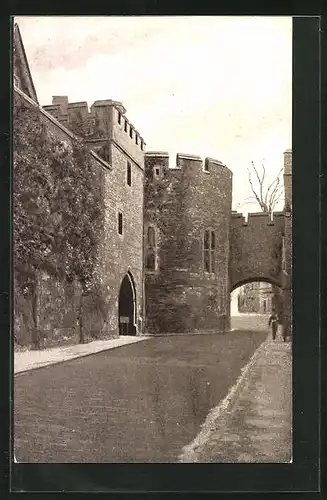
{"type": "Point", "coordinates": [72, 356]}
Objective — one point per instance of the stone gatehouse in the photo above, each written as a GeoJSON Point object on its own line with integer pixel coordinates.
{"type": "Point", "coordinates": [171, 249]}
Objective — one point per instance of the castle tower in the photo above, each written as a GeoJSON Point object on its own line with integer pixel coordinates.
{"type": "Point", "coordinates": [109, 134]}
{"type": "Point", "coordinates": [186, 243]}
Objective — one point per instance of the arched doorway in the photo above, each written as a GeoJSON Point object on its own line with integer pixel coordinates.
{"type": "Point", "coordinates": [127, 307]}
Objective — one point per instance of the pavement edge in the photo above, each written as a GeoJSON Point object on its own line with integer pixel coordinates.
{"type": "Point", "coordinates": [73, 357]}
{"type": "Point", "coordinates": [191, 451]}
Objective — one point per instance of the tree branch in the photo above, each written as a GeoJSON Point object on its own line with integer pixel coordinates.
{"type": "Point", "coordinates": [259, 180]}
{"type": "Point", "coordinates": [249, 198]}
{"type": "Point", "coordinates": [276, 180]}
{"type": "Point", "coordinates": [277, 195]}
{"type": "Point", "coordinates": [248, 203]}
{"type": "Point", "coordinates": [276, 187]}
{"type": "Point", "coordinates": [262, 182]}
{"type": "Point", "coordinates": [253, 190]}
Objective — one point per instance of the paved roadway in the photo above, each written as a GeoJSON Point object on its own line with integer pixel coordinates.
{"type": "Point", "coordinates": [137, 403]}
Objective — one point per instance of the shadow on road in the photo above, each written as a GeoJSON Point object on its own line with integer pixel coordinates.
{"type": "Point", "coordinates": [254, 322]}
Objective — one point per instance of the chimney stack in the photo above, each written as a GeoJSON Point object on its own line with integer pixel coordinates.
{"type": "Point", "coordinates": [288, 179]}
{"type": "Point", "coordinates": [63, 102]}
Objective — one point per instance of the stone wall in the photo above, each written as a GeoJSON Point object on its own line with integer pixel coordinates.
{"type": "Point", "coordinates": [256, 297]}
{"type": "Point", "coordinates": [57, 311]}
{"type": "Point", "coordinates": [104, 131]}
{"type": "Point", "coordinates": [120, 254]}
{"type": "Point", "coordinates": [57, 304]}
{"type": "Point", "coordinates": [287, 270]}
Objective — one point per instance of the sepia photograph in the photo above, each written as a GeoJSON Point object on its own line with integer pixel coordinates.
{"type": "Point", "coordinates": [152, 239]}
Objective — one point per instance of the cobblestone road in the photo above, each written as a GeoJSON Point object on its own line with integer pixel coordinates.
{"type": "Point", "coordinates": [138, 403]}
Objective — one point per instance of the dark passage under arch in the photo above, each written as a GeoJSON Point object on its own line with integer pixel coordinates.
{"type": "Point", "coordinates": [126, 308]}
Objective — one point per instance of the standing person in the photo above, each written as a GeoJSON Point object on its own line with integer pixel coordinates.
{"type": "Point", "coordinates": [273, 322]}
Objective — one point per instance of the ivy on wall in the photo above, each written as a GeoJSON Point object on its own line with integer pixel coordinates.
{"type": "Point", "coordinates": [58, 208]}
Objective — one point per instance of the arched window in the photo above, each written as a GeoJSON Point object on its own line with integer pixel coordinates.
{"type": "Point", "coordinates": [209, 246]}
{"type": "Point", "coordinates": [150, 261]}
{"type": "Point", "coordinates": [151, 237]}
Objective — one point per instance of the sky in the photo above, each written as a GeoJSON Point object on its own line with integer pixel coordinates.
{"type": "Point", "coordinates": [210, 86]}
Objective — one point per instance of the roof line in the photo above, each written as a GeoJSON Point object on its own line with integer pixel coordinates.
{"type": "Point", "coordinates": [46, 114]}
{"type": "Point", "coordinates": [100, 160]}
{"type": "Point", "coordinates": [16, 27]}
{"type": "Point", "coordinates": [60, 126]}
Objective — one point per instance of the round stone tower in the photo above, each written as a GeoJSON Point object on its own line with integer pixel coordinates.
{"type": "Point", "coordinates": [187, 212]}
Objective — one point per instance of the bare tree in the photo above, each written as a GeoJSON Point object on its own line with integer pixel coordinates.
{"type": "Point", "coordinates": [266, 197]}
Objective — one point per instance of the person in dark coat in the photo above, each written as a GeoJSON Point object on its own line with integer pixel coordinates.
{"type": "Point", "coordinates": [273, 322]}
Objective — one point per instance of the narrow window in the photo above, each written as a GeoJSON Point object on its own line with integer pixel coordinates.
{"type": "Point", "coordinates": [136, 139]}
{"type": "Point", "coordinates": [206, 251]}
{"type": "Point", "coordinates": [119, 117]}
{"type": "Point", "coordinates": [206, 165]}
{"type": "Point", "coordinates": [120, 223]}
{"type": "Point", "coordinates": [213, 240]}
{"type": "Point", "coordinates": [129, 174]}
{"type": "Point", "coordinates": [125, 126]}
{"type": "Point", "coordinates": [151, 237]}
{"type": "Point", "coordinates": [212, 251]}
{"type": "Point", "coordinates": [209, 245]}
{"type": "Point", "coordinates": [142, 145]}
{"type": "Point", "coordinates": [150, 262]}
{"type": "Point", "coordinates": [156, 171]}
{"type": "Point", "coordinates": [131, 132]}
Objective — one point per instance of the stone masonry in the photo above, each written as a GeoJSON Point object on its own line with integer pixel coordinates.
{"type": "Point", "coordinates": [181, 204]}
{"type": "Point", "coordinates": [108, 132]}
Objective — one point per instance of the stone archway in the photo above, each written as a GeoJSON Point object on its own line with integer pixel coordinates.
{"type": "Point", "coordinates": [252, 300]}
{"type": "Point", "coordinates": [127, 306]}
{"type": "Point", "coordinates": [253, 279]}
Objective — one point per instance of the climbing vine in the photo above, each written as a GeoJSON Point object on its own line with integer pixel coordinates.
{"type": "Point", "coordinates": [58, 206]}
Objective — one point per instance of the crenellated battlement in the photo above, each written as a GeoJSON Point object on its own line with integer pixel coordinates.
{"type": "Point", "coordinates": [257, 218]}
{"type": "Point", "coordinates": [184, 161]}
{"type": "Point", "coordinates": [105, 119]}
{"type": "Point", "coordinates": [256, 247]}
